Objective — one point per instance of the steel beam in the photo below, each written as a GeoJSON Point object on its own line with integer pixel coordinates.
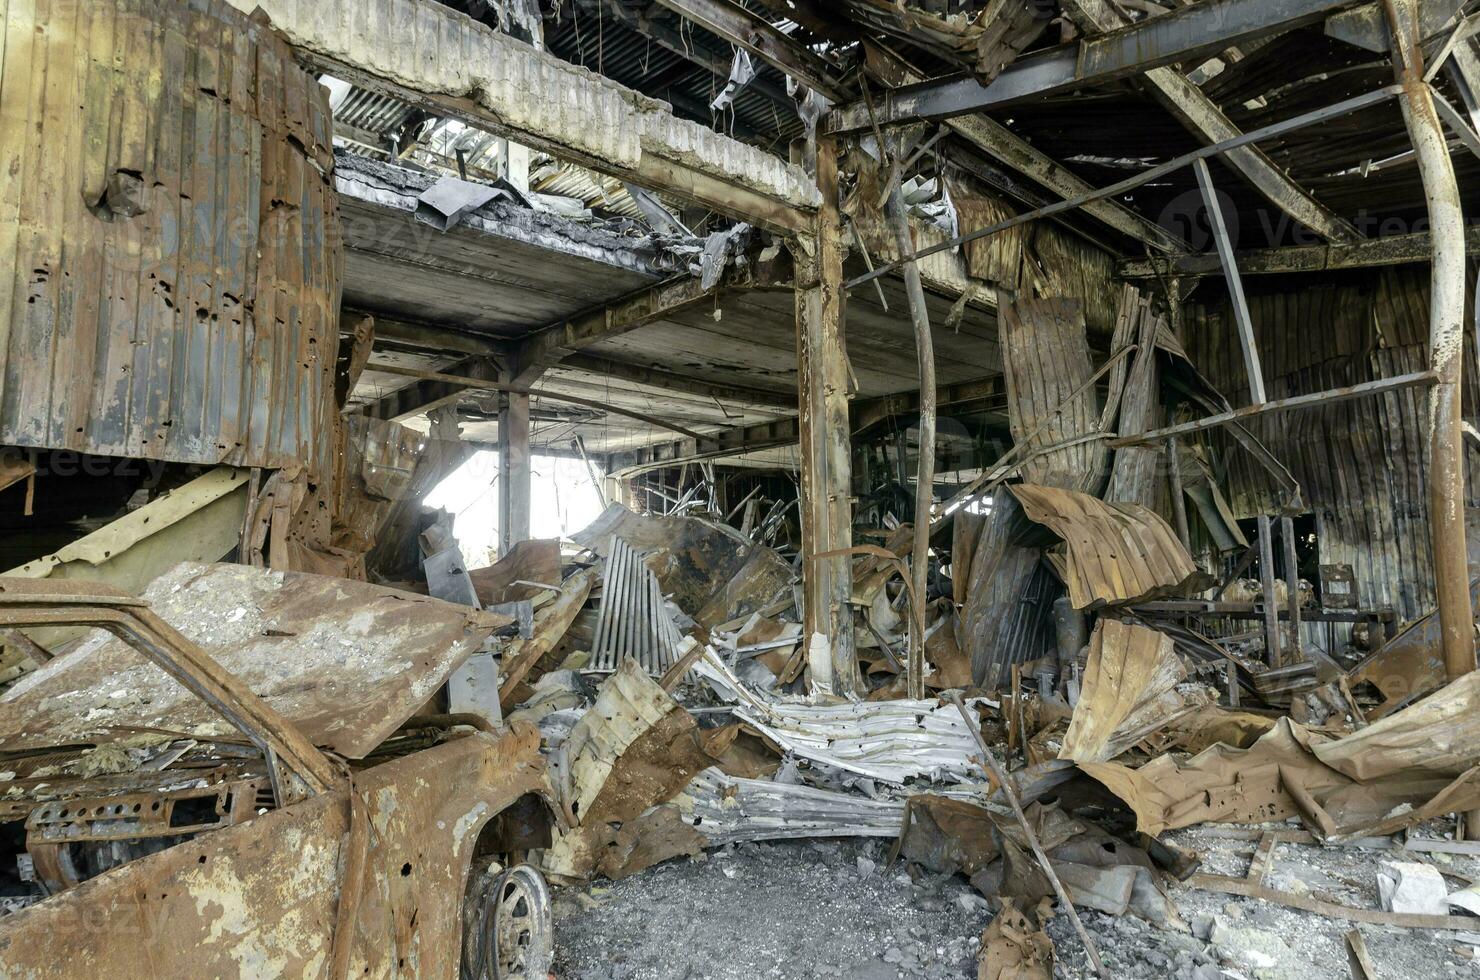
{"type": "Point", "coordinates": [1297, 259]}
{"type": "Point", "coordinates": [760, 37]}
{"type": "Point", "coordinates": [1446, 476]}
{"type": "Point", "coordinates": [1203, 117]}
{"type": "Point", "coordinates": [1185, 34]}
{"type": "Point", "coordinates": [1319, 399]}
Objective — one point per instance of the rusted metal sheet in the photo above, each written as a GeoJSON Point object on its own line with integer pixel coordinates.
{"type": "Point", "coordinates": [168, 237]}
{"type": "Point", "coordinates": [1409, 665]}
{"type": "Point", "coordinates": [260, 899]}
{"type": "Point", "coordinates": [1116, 553]}
{"type": "Point", "coordinates": [345, 662]}
{"type": "Point", "coordinates": [1360, 463]}
{"type": "Point", "coordinates": [1045, 358]}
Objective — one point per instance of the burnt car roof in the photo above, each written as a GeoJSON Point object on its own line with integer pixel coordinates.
{"type": "Point", "coordinates": [346, 662]}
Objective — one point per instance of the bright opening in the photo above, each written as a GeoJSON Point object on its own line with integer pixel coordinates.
{"type": "Point", "coordinates": [562, 499]}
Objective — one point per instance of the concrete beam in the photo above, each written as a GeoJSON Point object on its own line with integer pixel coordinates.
{"type": "Point", "coordinates": [438, 59]}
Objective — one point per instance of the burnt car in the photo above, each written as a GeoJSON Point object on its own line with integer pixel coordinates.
{"type": "Point", "coordinates": [246, 776]}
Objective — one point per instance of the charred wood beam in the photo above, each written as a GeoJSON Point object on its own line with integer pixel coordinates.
{"type": "Point", "coordinates": [1203, 117]}
{"type": "Point", "coordinates": [1187, 33]}
{"type": "Point", "coordinates": [1373, 252]}
{"type": "Point", "coordinates": [756, 34]}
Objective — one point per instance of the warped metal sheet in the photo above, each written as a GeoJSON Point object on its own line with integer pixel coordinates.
{"type": "Point", "coordinates": [1115, 552]}
{"type": "Point", "coordinates": [169, 251]}
{"type": "Point", "coordinates": [891, 741]}
{"type": "Point", "coordinates": [727, 809]}
{"type": "Point", "coordinates": [346, 662]}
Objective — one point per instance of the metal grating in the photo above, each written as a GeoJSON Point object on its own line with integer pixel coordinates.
{"type": "Point", "coordinates": [633, 620]}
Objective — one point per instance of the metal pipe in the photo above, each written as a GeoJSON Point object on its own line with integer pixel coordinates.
{"type": "Point", "coordinates": [925, 475]}
{"type": "Point", "coordinates": [1179, 505]}
{"type": "Point", "coordinates": [1446, 340]}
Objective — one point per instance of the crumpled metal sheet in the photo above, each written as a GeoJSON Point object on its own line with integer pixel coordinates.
{"type": "Point", "coordinates": [431, 48]}
{"type": "Point", "coordinates": [727, 809]}
{"type": "Point", "coordinates": [891, 741]}
{"type": "Point", "coordinates": [1116, 553]}
{"type": "Point", "coordinates": [346, 662]}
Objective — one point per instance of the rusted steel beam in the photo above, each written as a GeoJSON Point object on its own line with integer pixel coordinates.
{"type": "Point", "coordinates": [1198, 29]}
{"type": "Point", "coordinates": [1241, 317]}
{"type": "Point", "coordinates": [1446, 476]}
{"type": "Point", "coordinates": [925, 473]}
{"type": "Point", "coordinates": [760, 37]}
{"type": "Point", "coordinates": [1318, 399]}
{"type": "Point", "coordinates": [1292, 124]}
{"type": "Point", "coordinates": [642, 374]}
{"type": "Point", "coordinates": [822, 401]}
{"type": "Point", "coordinates": [734, 441]}
{"type": "Point", "coordinates": [1297, 259]}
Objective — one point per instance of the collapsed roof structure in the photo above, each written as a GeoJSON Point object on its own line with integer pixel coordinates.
{"type": "Point", "coordinates": [1113, 361]}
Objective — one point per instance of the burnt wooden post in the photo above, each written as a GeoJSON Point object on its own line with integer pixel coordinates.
{"type": "Point", "coordinates": [822, 407]}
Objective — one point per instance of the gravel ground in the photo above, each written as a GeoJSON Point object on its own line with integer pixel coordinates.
{"type": "Point", "coordinates": [832, 909]}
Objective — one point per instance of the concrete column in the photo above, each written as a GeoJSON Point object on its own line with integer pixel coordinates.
{"type": "Point", "coordinates": [513, 477]}
{"type": "Point", "coordinates": [822, 395]}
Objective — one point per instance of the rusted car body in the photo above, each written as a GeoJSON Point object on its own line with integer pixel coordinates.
{"type": "Point", "coordinates": [246, 850]}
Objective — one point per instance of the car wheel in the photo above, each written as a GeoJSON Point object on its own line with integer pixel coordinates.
{"type": "Point", "coordinates": [507, 929]}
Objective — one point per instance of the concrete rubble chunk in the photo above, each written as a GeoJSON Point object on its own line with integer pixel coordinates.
{"type": "Point", "coordinates": [1410, 887]}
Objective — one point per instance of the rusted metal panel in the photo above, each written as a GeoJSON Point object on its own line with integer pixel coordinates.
{"type": "Point", "coordinates": [1116, 553]}
{"type": "Point", "coordinates": [1359, 463]}
{"type": "Point", "coordinates": [1045, 357]}
{"type": "Point", "coordinates": [168, 237]}
{"type": "Point", "coordinates": [346, 680]}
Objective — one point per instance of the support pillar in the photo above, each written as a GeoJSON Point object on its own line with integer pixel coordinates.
{"type": "Point", "coordinates": [822, 396]}
{"type": "Point", "coordinates": [513, 470]}
{"type": "Point", "coordinates": [1446, 475]}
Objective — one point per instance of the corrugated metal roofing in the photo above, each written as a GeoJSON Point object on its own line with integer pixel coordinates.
{"type": "Point", "coordinates": [173, 247]}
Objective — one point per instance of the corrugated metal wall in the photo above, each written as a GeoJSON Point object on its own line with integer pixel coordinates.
{"type": "Point", "coordinates": [1360, 463]}
{"type": "Point", "coordinates": [204, 327]}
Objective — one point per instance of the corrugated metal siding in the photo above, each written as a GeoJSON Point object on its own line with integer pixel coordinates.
{"type": "Point", "coordinates": [1360, 463]}
{"type": "Point", "coordinates": [204, 329]}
